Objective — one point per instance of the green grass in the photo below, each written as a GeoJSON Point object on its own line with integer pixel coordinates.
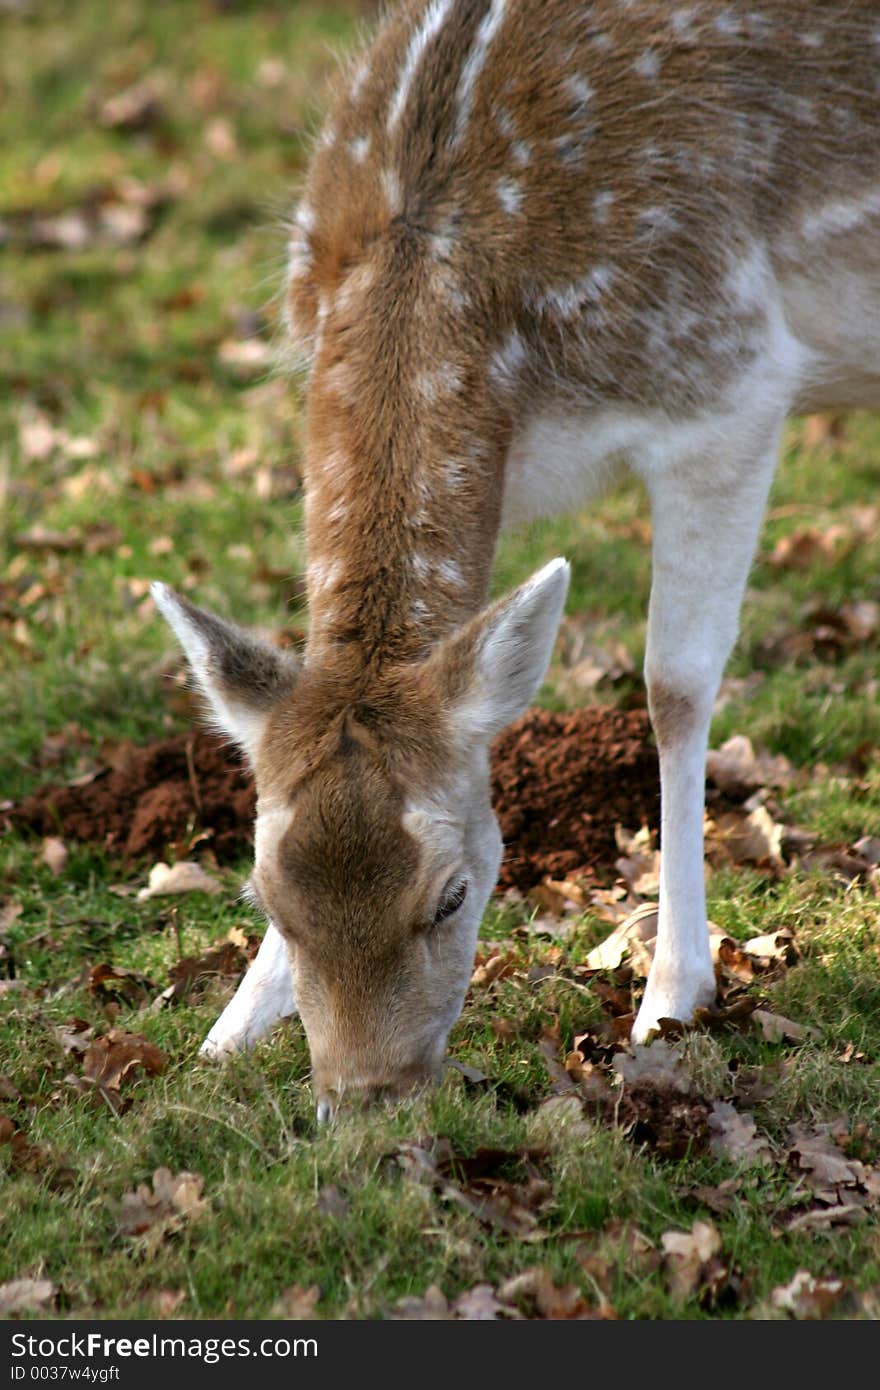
{"type": "Point", "coordinates": [118, 350]}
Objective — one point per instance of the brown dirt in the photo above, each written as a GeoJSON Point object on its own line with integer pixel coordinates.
{"type": "Point", "coordinates": [561, 782]}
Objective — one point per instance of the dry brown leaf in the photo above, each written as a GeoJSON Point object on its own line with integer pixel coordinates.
{"type": "Point", "coordinates": [775, 1028]}
{"type": "Point", "coordinates": [331, 1202]}
{"type": "Point", "coordinates": [9, 913]}
{"type": "Point", "coordinates": [75, 1035]}
{"type": "Point", "coordinates": [135, 108]}
{"type": "Point", "coordinates": [495, 967]}
{"type": "Point", "coordinates": [737, 838]}
{"type": "Point", "coordinates": [505, 1031]}
{"type": "Point", "coordinates": [735, 1135]}
{"type": "Point", "coordinates": [817, 1155]}
{"type": "Point", "coordinates": [245, 357]}
{"type": "Point", "coordinates": [42, 538]}
{"type": "Point", "coordinates": [167, 1301]}
{"type": "Point", "coordinates": [688, 1256]}
{"type": "Point", "coordinates": [119, 1058]}
{"type": "Point", "coordinates": [819, 430]}
{"type": "Point", "coordinates": [550, 1045]}
{"type": "Point", "coordinates": [801, 549]}
{"type": "Point", "coordinates": [658, 1065]}
{"type": "Point", "coordinates": [639, 865]}
{"type": "Point", "coordinates": [738, 770]}
{"type": "Point", "coordinates": [868, 848]}
{"type": "Point", "coordinates": [172, 1200]}
{"type": "Point", "coordinates": [535, 1288]}
{"type": "Point", "coordinates": [480, 1304]}
{"type": "Point", "coordinates": [298, 1303]}
{"type": "Point", "coordinates": [824, 1218]}
{"type": "Point", "coordinates": [54, 854]}
{"type": "Point", "coordinates": [773, 947]}
{"type": "Point", "coordinates": [193, 974]}
{"type": "Point", "coordinates": [432, 1306]}
{"type": "Point", "coordinates": [184, 877]}
{"type": "Point", "coordinates": [809, 1297]}
{"type": "Point", "coordinates": [720, 1198]}
{"type": "Point", "coordinates": [555, 897]}
{"type": "Point", "coordinates": [110, 983]}
{"type": "Point", "coordinates": [633, 938]}
{"type": "Point", "coordinates": [26, 1296]}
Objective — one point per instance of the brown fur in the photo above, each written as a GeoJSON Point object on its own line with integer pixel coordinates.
{"type": "Point", "coordinates": [411, 264]}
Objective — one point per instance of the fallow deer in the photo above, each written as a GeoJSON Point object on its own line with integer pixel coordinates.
{"type": "Point", "coordinates": [539, 242]}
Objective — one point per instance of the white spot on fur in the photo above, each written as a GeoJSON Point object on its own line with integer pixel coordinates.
{"type": "Point", "coordinates": [299, 259]}
{"type": "Point", "coordinates": [647, 64]}
{"type": "Point", "coordinates": [602, 206]}
{"type": "Point", "coordinates": [509, 195]}
{"type": "Point", "coordinates": [474, 64]}
{"type": "Point", "coordinates": [392, 190]}
{"type": "Point", "coordinates": [422, 565]}
{"type": "Point", "coordinates": [727, 24]}
{"type": "Point", "coordinates": [682, 23]}
{"type": "Point", "coordinates": [339, 380]}
{"type": "Point", "coordinates": [843, 215]}
{"type": "Point", "coordinates": [571, 148]}
{"type": "Point", "coordinates": [656, 222]}
{"type": "Point", "coordinates": [569, 300]}
{"type": "Point", "coordinates": [441, 245]}
{"type": "Point", "coordinates": [361, 74]}
{"type": "Point", "coordinates": [455, 473]}
{"type": "Point", "coordinates": [323, 575]}
{"type": "Point", "coordinates": [338, 512]}
{"type": "Point", "coordinates": [305, 219]}
{"type": "Point", "coordinates": [435, 17]}
{"type": "Point", "coordinates": [444, 380]}
{"type": "Point", "coordinates": [579, 89]}
{"type": "Point", "coordinates": [746, 282]}
{"type": "Point", "coordinates": [504, 121]}
{"type": "Point", "coordinates": [505, 365]}
{"type": "Point", "coordinates": [359, 148]}
{"type": "Point", "coordinates": [450, 572]}
{"type": "Point", "coordinates": [802, 109]}
{"type": "Point", "coordinates": [355, 285]}
{"type": "Point", "coordinates": [521, 153]}
{"type": "Point", "coordinates": [448, 287]}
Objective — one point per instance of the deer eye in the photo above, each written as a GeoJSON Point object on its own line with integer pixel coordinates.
{"type": "Point", "coordinates": [454, 895]}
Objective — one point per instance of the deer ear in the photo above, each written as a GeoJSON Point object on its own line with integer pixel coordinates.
{"type": "Point", "coordinates": [240, 676]}
{"type": "Point", "coordinates": [492, 669]}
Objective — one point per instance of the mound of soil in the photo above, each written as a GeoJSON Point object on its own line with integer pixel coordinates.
{"type": "Point", "coordinates": [561, 782]}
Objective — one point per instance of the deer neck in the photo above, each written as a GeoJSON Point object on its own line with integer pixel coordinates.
{"type": "Point", "coordinates": [404, 462]}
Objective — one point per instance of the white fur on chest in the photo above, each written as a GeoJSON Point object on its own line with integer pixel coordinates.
{"type": "Point", "coordinates": [563, 457]}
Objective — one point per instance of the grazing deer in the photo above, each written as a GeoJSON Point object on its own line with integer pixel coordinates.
{"type": "Point", "coordinates": [540, 241]}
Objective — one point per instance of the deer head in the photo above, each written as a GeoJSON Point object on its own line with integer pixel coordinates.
{"type": "Point", "coordinates": [376, 847]}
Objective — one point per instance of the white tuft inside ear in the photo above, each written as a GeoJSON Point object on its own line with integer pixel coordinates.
{"type": "Point", "coordinates": [234, 670]}
{"type": "Point", "coordinates": [513, 652]}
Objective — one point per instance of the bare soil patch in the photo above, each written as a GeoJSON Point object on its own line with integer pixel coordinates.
{"type": "Point", "coordinates": [561, 782]}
